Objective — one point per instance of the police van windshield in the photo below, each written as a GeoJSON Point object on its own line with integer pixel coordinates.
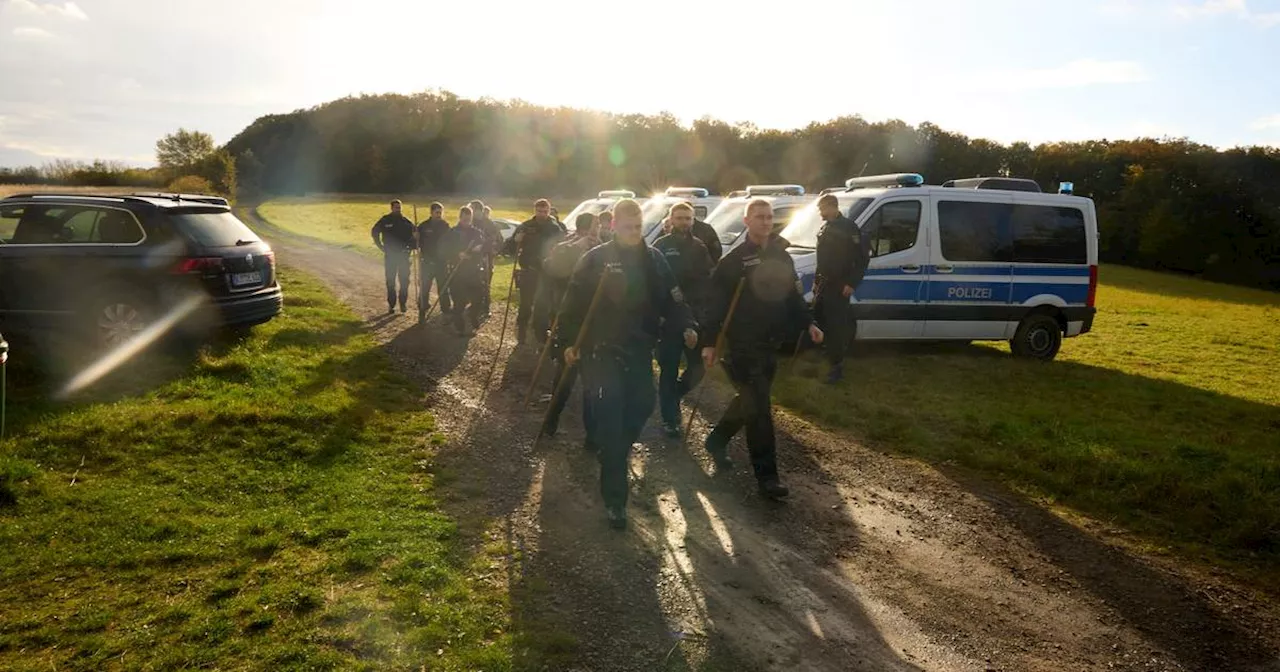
{"type": "Point", "coordinates": [803, 229]}
{"type": "Point", "coordinates": [727, 220]}
{"type": "Point", "coordinates": [594, 206]}
{"type": "Point", "coordinates": [652, 212]}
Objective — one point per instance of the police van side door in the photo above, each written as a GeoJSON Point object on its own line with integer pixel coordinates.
{"type": "Point", "coordinates": [888, 304]}
{"type": "Point", "coordinates": [970, 266]}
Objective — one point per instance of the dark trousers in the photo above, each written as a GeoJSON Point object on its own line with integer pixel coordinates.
{"type": "Point", "coordinates": [550, 293]}
{"type": "Point", "coordinates": [433, 272]}
{"type": "Point", "coordinates": [395, 265]}
{"type": "Point", "coordinates": [752, 376]}
{"type": "Point", "coordinates": [836, 319]}
{"type": "Point", "coordinates": [561, 391]}
{"type": "Point", "coordinates": [467, 292]}
{"type": "Point", "coordinates": [620, 387]}
{"type": "Point", "coordinates": [671, 385]}
{"type": "Point", "coordinates": [529, 281]}
{"type": "Point", "coordinates": [488, 284]}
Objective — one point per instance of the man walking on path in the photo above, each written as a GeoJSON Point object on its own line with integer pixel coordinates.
{"type": "Point", "coordinates": [431, 261]}
{"type": "Point", "coordinates": [393, 234]}
{"type": "Point", "coordinates": [466, 246]}
{"type": "Point", "coordinates": [481, 218]}
{"type": "Point", "coordinates": [636, 299]}
{"type": "Point", "coordinates": [558, 268]}
{"type": "Point", "coordinates": [532, 240]}
{"type": "Point", "coordinates": [770, 310]}
{"type": "Point", "coordinates": [842, 261]}
{"type": "Point", "coordinates": [691, 264]}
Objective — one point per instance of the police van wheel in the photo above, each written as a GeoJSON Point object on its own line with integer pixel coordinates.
{"type": "Point", "coordinates": [1038, 337]}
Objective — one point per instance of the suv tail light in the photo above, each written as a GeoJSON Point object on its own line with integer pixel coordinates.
{"type": "Point", "coordinates": [200, 265]}
{"type": "Point", "coordinates": [1093, 285]}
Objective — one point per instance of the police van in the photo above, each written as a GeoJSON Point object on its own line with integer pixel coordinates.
{"type": "Point", "coordinates": [603, 201]}
{"type": "Point", "coordinates": [727, 219]}
{"type": "Point", "coordinates": [655, 209]}
{"type": "Point", "coordinates": [977, 259]}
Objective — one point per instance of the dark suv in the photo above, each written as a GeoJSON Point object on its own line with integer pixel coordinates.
{"type": "Point", "coordinates": [109, 266]}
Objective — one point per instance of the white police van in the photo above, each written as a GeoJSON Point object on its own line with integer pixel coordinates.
{"type": "Point", "coordinates": [728, 221]}
{"type": "Point", "coordinates": [603, 201]}
{"type": "Point", "coordinates": [976, 259]}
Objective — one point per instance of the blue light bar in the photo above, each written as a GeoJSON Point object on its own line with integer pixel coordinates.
{"type": "Point", "coordinates": [1066, 188]}
{"type": "Point", "coordinates": [891, 180]}
{"type": "Point", "coordinates": [775, 190]}
{"type": "Point", "coordinates": [617, 193]}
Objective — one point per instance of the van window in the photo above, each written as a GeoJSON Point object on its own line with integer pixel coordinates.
{"type": "Point", "coordinates": [974, 231]}
{"type": "Point", "coordinates": [1044, 234]}
{"type": "Point", "coordinates": [893, 228]}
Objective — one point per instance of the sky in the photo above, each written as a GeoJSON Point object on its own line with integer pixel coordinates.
{"type": "Point", "coordinates": [89, 79]}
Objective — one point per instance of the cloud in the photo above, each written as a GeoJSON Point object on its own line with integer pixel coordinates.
{"type": "Point", "coordinates": [32, 33]}
{"type": "Point", "coordinates": [1238, 8]}
{"type": "Point", "coordinates": [1265, 123]}
{"type": "Point", "coordinates": [67, 10]}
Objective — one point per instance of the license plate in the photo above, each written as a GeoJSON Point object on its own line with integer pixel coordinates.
{"type": "Point", "coordinates": [242, 279]}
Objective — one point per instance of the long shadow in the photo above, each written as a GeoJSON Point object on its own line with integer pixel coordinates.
{"type": "Point", "coordinates": [1170, 610]}
{"type": "Point", "coordinates": [780, 607]}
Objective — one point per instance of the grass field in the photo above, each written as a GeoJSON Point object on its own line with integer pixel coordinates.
{"type": "Point", "coordinates": [269, 505]}
{"type": "Point", "coordinates": [348, 222]}
{"type": "Point", "coordinates": [1165, 419]}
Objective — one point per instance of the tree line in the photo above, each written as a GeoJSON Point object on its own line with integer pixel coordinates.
{"type": "Point", "coordinates": [1167, 204]}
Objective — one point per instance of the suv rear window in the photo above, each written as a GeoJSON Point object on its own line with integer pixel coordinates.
{"type": "Point", "coordinates": [213, 228]}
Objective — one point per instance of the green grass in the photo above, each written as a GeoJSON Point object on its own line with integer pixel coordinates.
{"type": "Point", "coordinates": [1164, 419]}
{"type": "Point", "coordinates": [347, 223]}
{"type": "Point", "coordinates": [270, 505]}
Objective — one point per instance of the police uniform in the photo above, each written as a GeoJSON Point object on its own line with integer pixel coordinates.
{"type": "Point", "coordinates": [494, 243]}
{"type": "Point", "coordinates": [557, 269]}
{"type": "Point", "coordinates": [842, 260]}
{"type": "Point", "coordinates": [432, 264]}
{"type": "Point", "coordinates": [707, 234]}
{"type": "Point", "coordinates": [691, 265]}
{"type": "Point", "coordinates": [393, 234]}
{"type": "Point", "coordinates": [771, 310]}
{"type": "Point", "coordinates": [639, 299]}
{"type": "Point", "coordinates": [537, 238]}
{"type": "Point", "coordinates": [467, 246]}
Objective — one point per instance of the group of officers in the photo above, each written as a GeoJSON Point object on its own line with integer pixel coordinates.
{"type": "Point", "coordinates": [602, 303]}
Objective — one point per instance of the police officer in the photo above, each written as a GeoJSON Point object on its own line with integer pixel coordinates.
{"type": "Point", "coordinates": [770, 310]}
{"type": "Point", "coordinates": [532, 240]}
{"type": "Point", "coordinates": [842, 261]}
{"type": "Point", "coordinates": [466, 246]}
{"type": "Point", "coordinates": [557, 269]}
{"type": "Point", "coordinates": [393, 234]}
{"type": "Point", "coordinates": [704, 232]}
{"type": "Point", "coordinates": [432, 262]}
{"type": "Point", "coordinates": [638, 298]}
{"type": "Point", "coordinates": [606, 226]}
{"type": "Point", "coordinates": [481, 218]}
{"type": "Point", "coordinates": [691, 264]}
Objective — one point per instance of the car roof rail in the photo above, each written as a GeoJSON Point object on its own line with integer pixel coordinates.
{"type": "Point", "coordinates": [1004, 183]}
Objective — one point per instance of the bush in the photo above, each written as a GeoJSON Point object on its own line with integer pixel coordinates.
{"type": "Point", "coordinates": [190, 184]}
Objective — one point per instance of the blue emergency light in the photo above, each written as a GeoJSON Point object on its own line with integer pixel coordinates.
{"type": "Point", "coordinates": [1066, 188]}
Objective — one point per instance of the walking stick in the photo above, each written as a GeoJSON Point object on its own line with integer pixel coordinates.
{"type": "Point", "coordinates": [542, 358]}
{"type": "Point", "coordinates": [440, 292]}
{"type": "Point", "coordinates": [720, 338]}
{"type": "Point", "coordinates": [577, 344]}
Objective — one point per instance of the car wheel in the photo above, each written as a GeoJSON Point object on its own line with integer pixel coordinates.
{"type": "Point", "coordinates": [1039, 336]}
{"type": "Point", "coordinates": [119, 320]}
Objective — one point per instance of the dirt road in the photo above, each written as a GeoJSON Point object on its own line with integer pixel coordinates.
{"type": "Point", "coordinates": [875, 563]}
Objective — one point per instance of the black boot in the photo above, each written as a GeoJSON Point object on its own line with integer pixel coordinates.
{"type": "Point", "coordinates": [772, 488]}
{"type": "Point", "coordinates": [617, 516]}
